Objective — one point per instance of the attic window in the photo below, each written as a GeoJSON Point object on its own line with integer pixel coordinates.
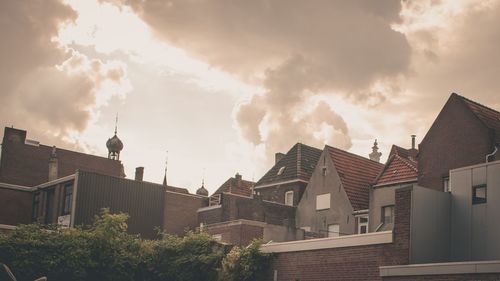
{"type": "Point", "coordinates": [281, 170]}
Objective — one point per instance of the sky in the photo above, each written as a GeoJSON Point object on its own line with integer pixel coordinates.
{"type": "Point", "coordinates": [218, 87]}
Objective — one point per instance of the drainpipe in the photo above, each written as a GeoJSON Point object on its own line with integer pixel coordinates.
{"type": "Point", "coordinates": [493, 153]}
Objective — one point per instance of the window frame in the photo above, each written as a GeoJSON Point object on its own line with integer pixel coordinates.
{"type": "Point", "coordinates": [383, 214]}
{"type": "Point", "coordinates": [35, 206]}
{"type": "Point", "coordinates": [360, 224]}
{"type": "Point", "coordinates": [479, 200]}
{"type": "Point", "coordinates": [67, 199]}
{"type": "Point", "coordinates": [286, 196]}
{"type": "Point", "coordinates": [324, 195]}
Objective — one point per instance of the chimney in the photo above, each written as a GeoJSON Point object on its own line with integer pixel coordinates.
{"type": "Point", "coordinates": [278, 156]}
{"type": "Point", "coordinates": [139, 173]}
{"type": "Point", "coordinates": [53, 165]}
{"type": "Point", "coordinates": [413, 152]}
{"type": "Point", "coordinates": [238, 177]}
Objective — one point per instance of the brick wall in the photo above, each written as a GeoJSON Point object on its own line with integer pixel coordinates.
{"type": "Point", "coordinates": [350, 263]}
{"type": "Point", "coordinates": [454, 277]}
{"type": "Point", "coordinates": [237, 232]}
{"type": "Point", "coordinates": [276, 193]}
{"type": "Point", "coordinates": [456, 139]}
{"type": "Point", "coordinates": [235, 207]}
{"type": "Point", "coordinates": [15, 206]}
{"type": "Point", "coordinates": [180, 212]}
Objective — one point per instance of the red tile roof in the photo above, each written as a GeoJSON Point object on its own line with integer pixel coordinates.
{"type": "Point", "coordinates": [397, 170]}
{"type": "Point", "coordinates": [299, 163]}
{"type": "Point", "coordinates": [356, 173]}
{"type": "Point", "coordinates": [489, 117]}
{"type": "Point", "coordinates": [236, 185]}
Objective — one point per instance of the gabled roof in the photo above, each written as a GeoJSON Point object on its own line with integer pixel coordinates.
{"type": "Point", "coordinates": [236, 185]}
{"type": "Point", "coordinates": [356, 174]}
{"type": "Point", "coordinates": [397, 170]}
{"type": "Point", "coordinates": [299, 163]}
{"type": "Point", "coordinates": [489, 117]}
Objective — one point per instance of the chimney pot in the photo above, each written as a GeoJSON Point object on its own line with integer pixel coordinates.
{"type": "Point", "coordinates": [413, 141]}
{"type": "Point", "coordinates": [139, 173]}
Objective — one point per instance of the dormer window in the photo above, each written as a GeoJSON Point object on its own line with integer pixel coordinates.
{"type": "Point", "coordinates": [281, 170]}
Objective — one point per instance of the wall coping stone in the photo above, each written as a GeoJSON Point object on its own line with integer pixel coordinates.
{"type": "Point", "coordinates": [441, 268]}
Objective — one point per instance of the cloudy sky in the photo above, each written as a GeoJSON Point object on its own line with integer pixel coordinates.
{"type": "Point", "coordinates": [222, 85]}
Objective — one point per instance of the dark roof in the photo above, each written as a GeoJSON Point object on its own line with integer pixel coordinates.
{"type": "Point", "coordinates": [397, 170]}
{"type": "Point", "coordinates": [236, 185]}
{"type": "Point", "coordinates": [176, 189]}
{"type": "Point", "coordinates": [489, 117]}
{"type": "Point", "coordinates": [299, 163]}
{"type": "Point", "coordinates": [398, 150]}
{"type": "Point", "coordinates": [356, 173]}
{"type": "Point", "coordinates": [28, 165]}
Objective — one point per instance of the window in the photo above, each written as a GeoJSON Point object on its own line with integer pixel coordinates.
{"type": "Point", "coordinates": [281, 170]}
{"type": "Point", "coordinates": [68, 198]}
{"type": "Point", "coordinates": [362, 224]}
{"type": "Point", "coordinates": [333, 230]}
{"type": "Point", "coordinates": [324, 171]}
{"type": "Point", "coordinates": [446, 185]}
{"type": "Point", "coordinates": [323, 201]}
{"type": "Point", "coordinates": [36, 206]}
{"type": "Point", "coordinates": [388, 214]}
{"type": "Point", "coordinates": [289, 198]}
{"type": "Point", "coordinates": [49, 206]}
{"type": "Point", "coordinates": [479, 194]}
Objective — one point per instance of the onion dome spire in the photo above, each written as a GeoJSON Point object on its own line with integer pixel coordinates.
{"type": "Point", "coordinates": [114, 144]}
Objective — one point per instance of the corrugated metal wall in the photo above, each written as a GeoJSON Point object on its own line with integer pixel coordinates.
{"type": "Point", "coordinates": [142, 201]}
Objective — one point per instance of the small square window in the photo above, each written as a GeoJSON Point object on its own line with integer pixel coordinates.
{"type": "Point", "coordinates": [479, 194]}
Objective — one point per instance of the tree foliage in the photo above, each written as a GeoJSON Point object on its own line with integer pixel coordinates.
{"type": "Point", "coordinates": [106, 252]}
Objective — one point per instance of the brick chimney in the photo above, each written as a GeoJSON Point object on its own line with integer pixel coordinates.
{"type": "Point", "coordinates": [278, 156]}
{"type": "Point", "coordinates": [53, 165]}
{"type": "Point", "coordinates": [139, 173]}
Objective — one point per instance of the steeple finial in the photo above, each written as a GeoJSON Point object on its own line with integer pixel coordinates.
{"type": "Point", "coordinates": [116, 123]}
{"type": "Point", "coordinates": [375, 155]}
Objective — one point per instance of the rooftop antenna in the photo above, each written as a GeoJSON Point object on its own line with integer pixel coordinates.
{"type": "Point", "coordinates": [166, 167]}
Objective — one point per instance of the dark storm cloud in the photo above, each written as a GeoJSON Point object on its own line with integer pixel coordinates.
{"type": "Point", "coordinates": [44, 87]}
{"type": "Point", "coordinates": [295, 48]}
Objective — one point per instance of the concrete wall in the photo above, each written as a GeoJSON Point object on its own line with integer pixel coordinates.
{"type": "Point", "coordinates": [379, 197]}
{"type": "Point", "coordinates": [430, 226]}
{"type": "Point", "coordinates": [280, 233]}
{"type": "Point", "coordinates": [340, 211]}
{"type": "Point", "coordinates": [475, 228]}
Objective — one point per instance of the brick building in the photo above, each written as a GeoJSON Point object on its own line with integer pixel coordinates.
{"type": "Point", "coordinates": [57, 186]}
{"type": "Point", "coordinates": [463, 133]}
{"type": "Point", "coordinates": [400, 170]}
{"type": "Point", "coordinates": [335, 202]}
{"type": "Point", "coordinates": [289, 176]}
